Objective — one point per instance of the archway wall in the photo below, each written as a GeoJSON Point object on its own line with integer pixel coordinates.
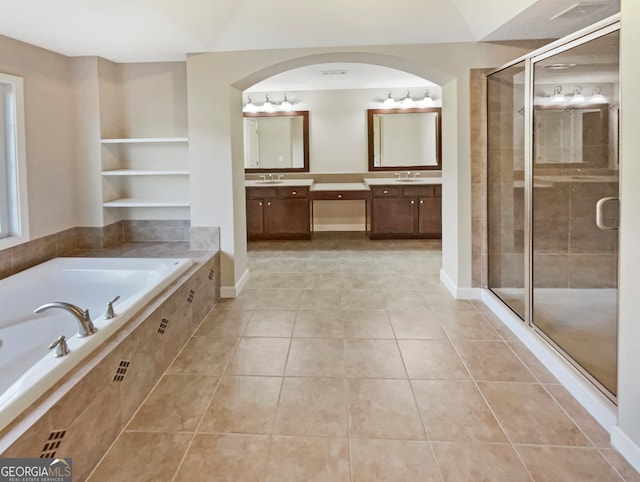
{"type": "Point", "coordinates": [216, 80]}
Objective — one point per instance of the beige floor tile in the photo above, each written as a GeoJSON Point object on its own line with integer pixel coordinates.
{"type": "Point", "coordinates": [427, 282]}
{"type": "Point", "coordinates": [492, 361]}
{"type": "Point", "coordinates": [322, 324]}
{"type": "Point", "coordinates": [313, 407]}
{"type": "Point", "coordinates": [246, 300]}
{"type": "Point", "coordinates": [314, 299]}
{"type": "Point", "coordinates": [551, 464]}
{"type": "Point", "coordinates": [316, 357]}
{"type": "Point", "coordinates": [322, 281]}
{"type": "Point", "coordinates": [396, 281]}
{"type": "Point", "coordinates": [204, 355]}
{"type": "Point", "coordinates": [498, 325]}
{"type": "Point", "coordinates": [278, 323]}
{"type": "Point", "coordinates": [224, 323]}
{"type": "Point", "coordinates": [176, 404]}
{"type": "Point", "coordinates": [259, 356]}
{"type": "Point", "coordinates": [125, 460]}
{"type": "Point", "coordinates": [454, 411]}
{"type": "Point", "coordinates": [308, 459]}
{"type": "Point", "coordinates": [361, 299]}
{"type": "Point", "coordinates": [404, 300]}
{"type": "Point", "coordinates": [366, 358]}
{"type": "Point", "coordinates": [477, 461]}
{"type": "Point", "coordinates": [598, 435]}
{"type": "Point", "coordinates": [432, 360]}
{"type": "Point", "coordinates": [392, 460]}
{"type": "Point", "coordinates": [530, 416]}
{"type": "Point", "coordinates": [278, 299]}
{"type": "Point", "coordinates": [383, 409]}
{"type": "Point", "coordinates": [225, 458]}
{"type": "Point", "coordinates": [416, 325]}
{"type": "Point", "coordinates": [359, 281]}
{"type": "Point", "coordinates": [467, 325]}
{"type": "Point", "coordinates": [538, 369]}
{"type": "Point", "coordinates": [623, 467]}
{"type": "Point", "coordinates": [449, 304]}
{"type": "Point", "coordinates": [366, 324]}
{"type": "Point", "coordinates": [243, 405]}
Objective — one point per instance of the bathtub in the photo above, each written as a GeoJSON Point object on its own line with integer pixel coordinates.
{"type": "Point", "coordinates": [27, 367]}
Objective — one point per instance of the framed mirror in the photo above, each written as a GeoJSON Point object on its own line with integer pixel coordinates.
{"type": "Point", "coordinates": [276, 141]}
{"type": "Point", "coordinates": [574, 136]}
{"type": "Point", "coordinates": [404, 139]}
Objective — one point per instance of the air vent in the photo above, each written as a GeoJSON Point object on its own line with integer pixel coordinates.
{"type": "Point", "coordinates": [580, 10]}
{"type": "Point", "coordinates": [191, 295]}
{"type": "Point", "coordinates": [163, 326]}
{"type": "Point", "coordinates": [52, 444]}
{"type": "Point", "coordinates": [121, 371]}
{"type": "Point", "coordinates": [212, 273]}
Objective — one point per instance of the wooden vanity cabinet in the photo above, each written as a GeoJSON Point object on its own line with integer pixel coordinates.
{"type": "Point", "coordinates": [406, 212]}
{"type": "Point", "coordinates": [278, 213]}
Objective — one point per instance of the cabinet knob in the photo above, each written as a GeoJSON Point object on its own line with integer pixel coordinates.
{"type": "Point", "coordinates": [294, 193]}
{"type": "Point", "coordinates": [260, 204]}
{"type": "Point", "coordinates": [339, 196]}
{"type": "Point", "coordinates": [385, 191]}
{"type": "Point", "coordinates": [421, 201]}
{"type": "Point", "coordinates": [412, 201]}
{"type": "Point", "coordinates": [269, 204]}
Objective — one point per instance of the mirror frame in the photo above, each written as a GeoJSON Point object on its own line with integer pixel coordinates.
{"type": "Point", "coordinates": [416, 110]}
{"type": "Point", "coordinates": [305, 139]}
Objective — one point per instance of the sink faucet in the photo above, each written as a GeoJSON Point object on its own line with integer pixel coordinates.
{"type": "Point", "coordinates": [85, 325]}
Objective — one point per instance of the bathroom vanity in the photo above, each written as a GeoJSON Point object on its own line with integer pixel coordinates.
{"type": "Point", "coordinates": [410, 208]}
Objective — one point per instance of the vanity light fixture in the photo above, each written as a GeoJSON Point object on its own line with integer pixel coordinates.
{"type": "Point", "coordinates": [427, 101]}
{"type": "Point", "coordinates": [250, 106]}
{"type": "Point", "coordinates": [268, 105]}
{"type": "Point", "coordinates": [389, 101]}
{"type": "Point", "coordinates": [407, 101]}
{"type": "Point", "coordinates": [558, 96]}
{"type": "Point", "coordinates": [285, 104]}
{"type": "Point", "coordinates": [597, 97]}
{"type": "Point", "coordinates": [577, 95]}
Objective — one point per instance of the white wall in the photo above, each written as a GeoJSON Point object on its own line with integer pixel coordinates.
{"type": "Point", "coordinates": [627, 440]}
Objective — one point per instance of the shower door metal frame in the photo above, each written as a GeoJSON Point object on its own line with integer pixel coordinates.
{"type": "Point", "coordinates": [580, 37]}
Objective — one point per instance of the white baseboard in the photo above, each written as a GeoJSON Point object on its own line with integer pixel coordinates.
{"type": "Point", "coordinates": [627, 447]}
{"type": "Point", "coordinates": [595, 402]}
{"type": "Point", "coordinates": [459, 293]}
{"type": "Point", "coordinates": [339, 227]}
{"type": "Point", "coordinates": [233, 291]}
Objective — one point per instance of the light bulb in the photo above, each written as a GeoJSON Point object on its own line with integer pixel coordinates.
{"type": "Point", "coordinates": [389, 101]}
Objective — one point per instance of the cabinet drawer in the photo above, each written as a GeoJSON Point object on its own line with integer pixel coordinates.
{"type": "Point", "coordinates": [262, 193]}
{"type": "Point", "coordinates": [386, 191]}
{"type": "Point", "coordinates": [423, 191]}
{"type": "Point", "coordinates": [339, 195]}
{"type": "Point", "coordinates": [296, 192]}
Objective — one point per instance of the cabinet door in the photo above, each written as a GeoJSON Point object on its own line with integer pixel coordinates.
{"type": "Point", "coordinates": [393, 216]}
{"type": "Point", "coordinates": [287, 217]}
{"type": "Point", "coordinates": [255, 217]}
{"type": "Point", "coordinates": [430, 216]}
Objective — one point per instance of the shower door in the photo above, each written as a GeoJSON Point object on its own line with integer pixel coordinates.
{"type": "Point", "coordinates": [574, 237]}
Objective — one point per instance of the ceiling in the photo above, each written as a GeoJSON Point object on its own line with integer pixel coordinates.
{"type": "Point", "coordinates": [164, 30]}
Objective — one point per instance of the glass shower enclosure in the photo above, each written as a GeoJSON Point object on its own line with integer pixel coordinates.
{"type": "Point", "coordinates": [552, 196]}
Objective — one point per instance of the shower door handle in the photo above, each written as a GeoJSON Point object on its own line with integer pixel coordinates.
{"type": "Point", "coordinates": [599, 205]}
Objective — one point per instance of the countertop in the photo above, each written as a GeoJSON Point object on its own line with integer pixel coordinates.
{"type": "Point", "coordinates": [340, 186]}
{"type": "Point", "coordinates": [279, 182]}
{"type": "Point", "coordinates": [388, 181]}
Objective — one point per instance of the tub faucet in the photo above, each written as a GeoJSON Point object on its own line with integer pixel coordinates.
{"type": "Point", "coordinates": [85, 325]}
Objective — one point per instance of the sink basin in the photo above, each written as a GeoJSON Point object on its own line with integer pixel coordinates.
{"type": "Point", "coordinates": [272, 181]}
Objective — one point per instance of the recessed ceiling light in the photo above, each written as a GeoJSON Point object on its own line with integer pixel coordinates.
{"type": "Point", "coordinates": [580, 9]}
{"type": "Point", "coordinates": [559, 66]}
{"type": "Point", "coordinates": [333, 72]}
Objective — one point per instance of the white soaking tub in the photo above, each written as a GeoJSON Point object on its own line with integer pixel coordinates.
{"type": "Point", "coordinates": [27, 366]}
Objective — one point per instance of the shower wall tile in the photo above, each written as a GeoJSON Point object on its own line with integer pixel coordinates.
{"type": "Point", "coordinates": [205, 237]}
{"type": "Point", "coordinates": [586, 237]}
{"type": "Point", "coordinates": [551, 271]}
{"type": "Point", "coordinates": [593, 271]}
{"type": "Point", "coordinates": [551, 236]}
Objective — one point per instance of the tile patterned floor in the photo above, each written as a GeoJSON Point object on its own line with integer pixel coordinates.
{"type": "Point", "coordinates": [345, 360]}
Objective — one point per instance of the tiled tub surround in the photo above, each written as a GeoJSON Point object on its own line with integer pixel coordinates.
{"type": "Point", "coordinates": [31, 253]}
{"type": "Point", "coordinates": [344, 359]}
{"type": "Point", "coordinates": [83, 414]}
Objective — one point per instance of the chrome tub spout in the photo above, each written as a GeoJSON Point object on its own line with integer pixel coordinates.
{"type": "Point", "coordinates": [85, 325]}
